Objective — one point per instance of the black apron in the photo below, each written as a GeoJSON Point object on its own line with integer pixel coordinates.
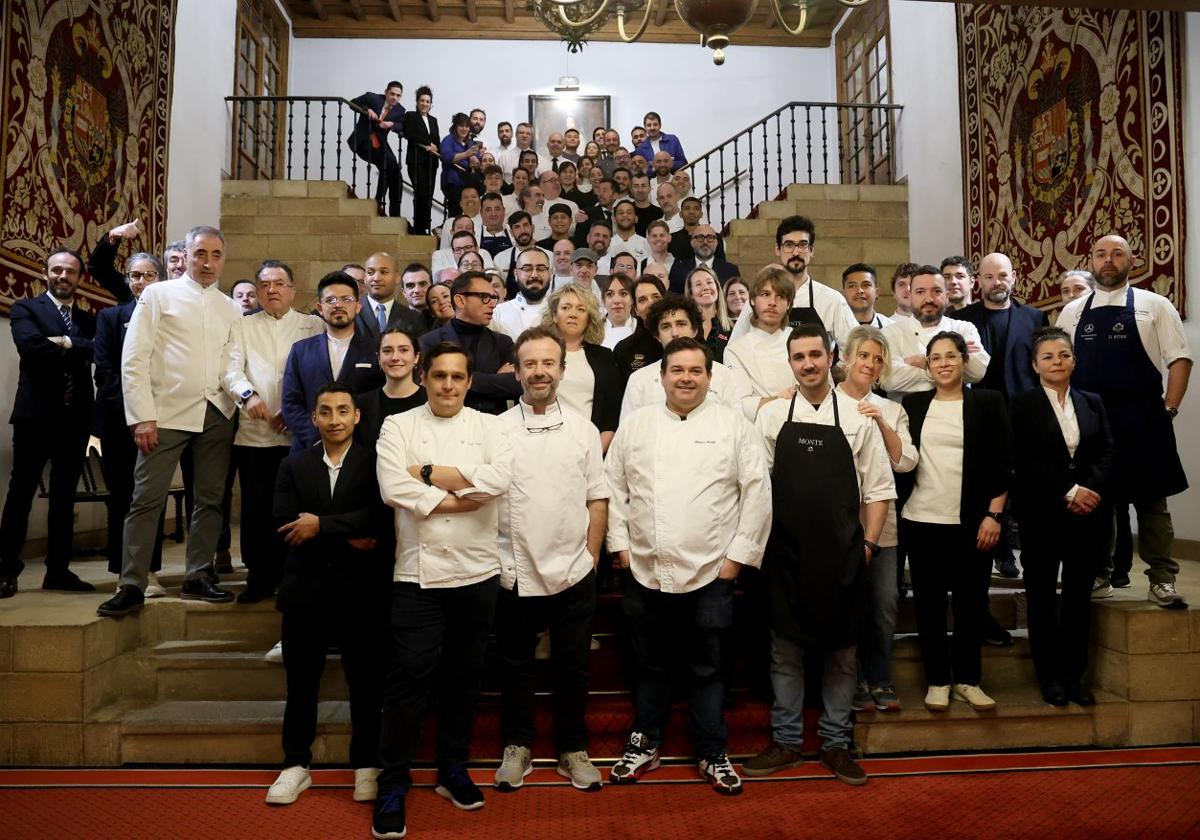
{"type": "Point", "coordinates": [1112, 361]}
{"type": "Point", "coordinates": [814, 560]}
{"type": "Point", "coordinates": [798, 315]}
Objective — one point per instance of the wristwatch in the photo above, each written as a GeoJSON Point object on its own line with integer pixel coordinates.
{"type": "Point", "coordinates": [999, 517]}
{"type": "Point", "coordinates": [1173, 412]}
{"type": "Point", "coordinates": [873, 548]}
{"type": "Point", "coordinates": [246, 395]}
{"type": "Point", "coordinates": [427, 474]}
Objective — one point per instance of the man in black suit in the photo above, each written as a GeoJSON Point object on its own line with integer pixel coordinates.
{"type": "Point", "coordinates": [422, 158]}
{"type": "Point", "coordinates": [1006, 330]}
{"type": "Point", "coordinates": [493, 381]}
{"type": "Point", "coordinates": [336, 588]}
{"type": "Point", "coordinates": [50, 417]}
{"type": "Point", "coordinates": [369, 140]}
{"type": "Point", "coordinates": [704, 250]}
{"type": "Point", "coordinates": [690, 211]}
{"type": "Point", "coordinates": [381, 309]}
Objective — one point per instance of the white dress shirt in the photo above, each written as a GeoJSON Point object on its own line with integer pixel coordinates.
{"type": "Point", "coordinates": [1068, 424]}
{"type": "Point", "coordinates": [338, 347]}
{"type": "Point", "coordinates": [261, 343]}
{"type": "Point", "coordinates": [614, 334]}
{"type": "Point", "coordinates": [645, 388]}
{"type": "Point", "coordinates": [176, 352]}
{"type": "Point", "coordinates": [937, 496]}
{"type": "Point", "coordinates": [896, 417]}
{"type": "Point", "coordinates": [675, 223]}
{"type": "Point", "coordinates": [335, 470]}
{"type": "Point", "coordinates": [906, 336]}
{"type": "Point", "coordinates": [677, 528]}
{"type": "Point", "coordinates": [513, 317]}
{"type": "Point", "coordinates": [667, 262]}
{"type": "Point", "coordinates": [830, 304]}
{"type": "Point", "coordinates": [453, 549]}
{"type": "Point", "coordinates": [544, 517]}
{"type": "Point", "coordinates": [445, 259]}
{"type": "Point", "coordinates": [763, 359]}
{"type": "Point", "coordinates": [1158, 323]}
{"type": "Point", "coordinates": [507, 158]}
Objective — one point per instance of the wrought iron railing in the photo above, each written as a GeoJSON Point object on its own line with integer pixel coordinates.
{"type": "Point", "coordinates": [799, 143]}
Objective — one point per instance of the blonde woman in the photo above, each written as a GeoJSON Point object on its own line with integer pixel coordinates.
{"type": "Point", "coordinates": [591, 385]}
{"type": "Point", "coordinates": [703, 287]}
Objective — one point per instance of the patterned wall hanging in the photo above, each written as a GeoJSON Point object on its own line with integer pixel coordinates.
{"type": "Point", "coordinates": [1072, 129]}
{"type": "Point", "coordinates": [86, 99]}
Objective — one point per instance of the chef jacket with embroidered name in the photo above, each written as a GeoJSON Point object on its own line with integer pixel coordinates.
{"type": "Point", "coordinates": [645, 388]}
{"type": "Point", "coordinates": [687, 493]}
{"type": "Point", "coordinates": [441, 550]}
{"type": "Point", "coordinates": [1158, 323]}
{"type": "Point", "coordinates": [557, 468]}
{"type": "Point", "coordinates": [907, 336]}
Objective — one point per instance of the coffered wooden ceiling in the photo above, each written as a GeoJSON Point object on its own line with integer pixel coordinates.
{"type": "Point", "coordinates": [510, 19]}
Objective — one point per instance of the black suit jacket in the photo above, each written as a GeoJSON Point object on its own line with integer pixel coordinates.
{"type": "Point", "coordinates": [102, 268]}
{"type": "Point", "coordinates": [1044, 468]}
{"type": "Point", "coordinates": [417, 136]}
{"type": "Point", "coordinates": [609, 387]}
{"type": "Point", "coordinates": [367, 326]}
{"type": "Point", "coordinates": [327, 565]}
{"type": "Point", "coordinates": [595, 213]}
{"type": "Point", "coordinates": [45, 367]}
{"type": "Point", "coordinates": [1018, 350]}
{"type": "Point", "coordinates": [681, 246]}
{"type": "Point", "coordinates": [987, 450]}
{"type": "Point", "coordinates": [359, 140]}
{"type": "Point", "coordinates": [490, 391]}
{"type": "Point", "coordinates": [109, 413]}
{"type": "Point", "coordinates": [681, 268]}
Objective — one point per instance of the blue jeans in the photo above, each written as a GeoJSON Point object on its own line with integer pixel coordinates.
{"type": "Point", "coordinates": [837, 694]}
{"type": "Point", "coordinates": [879, 627]}
{"type": "Point", "coordinates": [665, 627]}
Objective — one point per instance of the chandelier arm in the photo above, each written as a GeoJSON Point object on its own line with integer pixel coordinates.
{"type": "Point", "coordinates": [641, 27]}
{"type": "Point", "coordinates": [600, 12]}
{"type": "Point", "coordinates": [775, 5]}
{"type": "Point", "coordinates": [854, 4]}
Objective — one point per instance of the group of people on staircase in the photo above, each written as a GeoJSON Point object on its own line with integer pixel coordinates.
{"type": "Point", "coordinates": [412, 484]}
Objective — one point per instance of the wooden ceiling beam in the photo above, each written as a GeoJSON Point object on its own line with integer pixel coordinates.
{"type": "Point", "coordinates": [318, 9]}
{"type": "Point", "coordinates": [472, 11]}
{"type": "Point", "coordinates": [357, 10]}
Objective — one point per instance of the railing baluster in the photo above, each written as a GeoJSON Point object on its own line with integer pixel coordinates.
{"type": "Point", "coordinates": [792, 111]}
{"type": "Point", "coordinates": [291, 121]}
{"type": "Point", "coordinates": [275, 111]}
{"type": "Point", "coordinates": [737, 193]}
{"type": "Point", "coordinates": [825, 143]}
{"type": "Point", "coordinates": [237, 152]}
{"type": "Point", "coordinates": [338, 154]}
{"type": "Point", "coordinates": [808, 138]}
{"type": "Point", "coordinates": [765, 163]}
{"type": "Point", "coordinates": [322, 140]}
{"type": "Point", "coordinates": [307, 108]}
{"type": "Point", "coordinates": [778, 153]}
{"type": "Point", "coordinates": [721, 174]}
{"type": "Point", "coordinates": [750, 158]}
{"type": "Point", "coordinates": [870, 147]}
{"type": "Point", "coordinates": [707, 190]}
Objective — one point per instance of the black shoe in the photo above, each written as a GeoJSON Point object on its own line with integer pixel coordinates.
{"type": "Point", "coordinates": [998, 637]}
{"type": "Point", "coordinates": [1080, 694]}
{"type": "Point", "coordinates": [8, 586]}
{"type": "Point", "coordinates": [254, 594]}
{"type": "Point", "coordinates": [1054, 694]}
{"type": "Point", "coordinates": [454, 784]}
{"type": "Point", "coordinates": [388, 823]}
{"type": "Point", "coordinates": [66, 581]}
{"type": "Point", "coordinates": [223, 562]}
{"type": "Point", "coordinates": [203, 589]}
{"type": "Point", "coordinates": [1007, 566]}
{"type": "Point", "coordinates": [1120, 580]}
{"type": "Point", "coordinates": [128, 599]}
{"type": "Point", "coordinates": [847, 770]}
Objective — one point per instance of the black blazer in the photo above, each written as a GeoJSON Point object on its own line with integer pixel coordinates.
{"type": "Point", "coordinates": [45, 367]}
{"type": "Point", "coordinates": [987, 450]}
{"type": "Point", "coordinates": [359, 140]}
{"type": "Point", "coordinates": [682, 268]}
{"type": "Point", "coordinates": [367, 326]}
{"type": "Point", "coordinates": [1044, 469]}
{"type": "Point", "coordinates": [609, 387]}
{"type": "Point", "coordinates": [328, 565]}
{"type": "Point", "coordinates": [417, 136]}
{"type": "Point", "coordinates": [102, 268]}
{"type": "Point", "coordinates": [109, 413]}
{"type": "Point", "coordinates": [490, 350]}
{"type": "Point", "coordinates": [1018, 351]}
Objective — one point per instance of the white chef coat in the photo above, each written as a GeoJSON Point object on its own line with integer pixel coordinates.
{"type": "Point", "coordinates": [645, 388]}
{"type": "Point", "coordinates": [544, 517]}
{"type": "Point", "coordinates": [176, 352]}
{"type": "Point", "coordinates": [830, 304]}
{"type": "Point", "coordinates": [1158, 323]}
{"type": "Point", "coordinates": [444, 550]}
{"type": "Point", "coordinates": [686, 493]}
{"type": "Point", "coordinates": [513, 317]}
{"type": "Point", "coordinates": [261, 344]}
{"type": "Point", "coordinates": [444, 238]}
{"type": "Point", "coordinates": [762, 357]}
{"type": "Point", "coordinates": [635, 244]}
{"type": "Point", "coordinates": [906, 336]}
{"type": "Point", "coordinates": [504, 258]}
{"type": "Point", "coordinates": [614, 334]}
{"type": "Point", "coordinates": [445, 259]}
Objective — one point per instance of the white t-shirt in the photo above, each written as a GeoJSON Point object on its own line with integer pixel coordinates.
{"type": "Point", "coordinates": [578, 384]}
{"type": "Point", "coordinates": [937, 497]}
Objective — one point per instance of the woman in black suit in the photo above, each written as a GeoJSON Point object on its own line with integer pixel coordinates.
{"type": "Point", "coordinates": [422, 158]}
{"type": "Point", "coordinates": [951, 518]}
{"type": "Point", "coordinates": [1062, 471]}
{"type": "Point", "coordinates": [591, 383]}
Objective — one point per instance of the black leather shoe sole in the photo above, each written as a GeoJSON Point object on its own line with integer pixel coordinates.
{"type": "Point", "coordinates": [117, 611]}
{"type": "Point", "coordinates": [209, 597]}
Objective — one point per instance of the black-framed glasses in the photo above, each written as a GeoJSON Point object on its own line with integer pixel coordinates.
{"type": "Point", "coordinates": [795, 246]}
{"type": "Point", "coordinates": [705, 237]}
{"type": "Point", "coordinates": [143, 275]}
{"type": "Point", "coordinates": [540, 269]}
{"type": "Point", "coordinates": [486, 297]}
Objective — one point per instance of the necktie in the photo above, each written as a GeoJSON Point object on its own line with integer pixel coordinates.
{"type": "Point", "coordinates": [68, 379]}
{"type": "Point", "coordinates": [381, 316]}
{"type": "Point", "coordinates": [65, 312]}
{"type": "Point", "coordinates": [554, 164]}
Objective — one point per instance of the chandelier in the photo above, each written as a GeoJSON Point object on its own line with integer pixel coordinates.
{"type": "Point", "coordinates": [714, 20]}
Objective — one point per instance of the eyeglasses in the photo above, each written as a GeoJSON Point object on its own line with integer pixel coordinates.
{"type": "Point", "coordinates": [537, 430]}
{"type": "Point", "coordinates": [705, 237]}
{"type": "Point", "coordinates": [540, 269]}
{"type": "Point", "coordinates": [273, 284]}
{"type": "Point", "coordinates": [486, 297]}
{"type": "Point", "coordinates": [795, 246]}
{"type": "Point", "coordinates": [333, 301]}
{"type": "Point", "coordinates": [944, 357]}
{"type": "Point", "coordinates": [143, 275]}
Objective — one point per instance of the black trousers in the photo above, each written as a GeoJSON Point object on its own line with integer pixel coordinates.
{"type": "Point", "coordinates": [1059, 642]}
{"type": "Point", "coordinates": [263, 549]}
{"type": "Point", "coordinates": [451, 197]}
{"type": "Point", "coordinates": [945, 565]}
{"type": "Point", "coordinates": [421, 176]}
{"type": "Point", "coordinates": [118, 460]}
{"type": "Point", "coordinates": [61, 440]}
{"type": "Point", "coordinates": [359, 626]}
{"type": "Point", "coordinates": [568, 615]}
{"type": "Point", "coordinates": [439, 637]}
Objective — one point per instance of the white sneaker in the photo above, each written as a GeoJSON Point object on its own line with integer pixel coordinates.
{"type": "Point", "coordinates": [975, 696]}
{"type": "Point", "coordinates": [937, 698]}
{"type": "Point", "coordinates": [154, 589]}
{"type": "Point", "coordinates": [1101, 589]}
{"type": "Point", "coordinates": [516, 764]}
{"type": "Point", "coordinates": [275, 654]}
{"type": "Point", "coordinates": [287, 788]}
{"type": "Point", "coordinates": [366, 784]}
{"type": "Point", "coordinates": [1167, 596]}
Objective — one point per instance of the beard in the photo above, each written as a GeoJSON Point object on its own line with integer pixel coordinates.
{"type": "Point", "coordinates": [533, 295]}
{"type": "Point", "coordinates": [1114, 280]}
{"type": "Point", "coordinates": [999, 295]}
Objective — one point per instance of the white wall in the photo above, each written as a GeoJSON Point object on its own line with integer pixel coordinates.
{"type": "Point", "coordinates": [928, 142]}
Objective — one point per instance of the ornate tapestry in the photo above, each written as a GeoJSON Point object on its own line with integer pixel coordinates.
{"type": "Point", "coordinates": [1072, 129]}
{"type": "Point", "coordinates": [86, 98]}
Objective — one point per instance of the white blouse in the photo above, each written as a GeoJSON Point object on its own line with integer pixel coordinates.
{"type": "Point", "coordinates": [937, 497]}
{"type": "Point", "coordinates": [578, 384]}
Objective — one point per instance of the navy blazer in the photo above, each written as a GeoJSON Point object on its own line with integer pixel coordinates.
{"type": "Point", "coordinates": [44, 367]}
{"type": "Point", "coordinates": [680, 269]}
{"type": "Point", "coordinates": [666, 143]}
{"type": "Point", "coordinates": [490, 391]}
{"type": "Point", "coordinates": [1044, 468]}
{"type": "Point", "coordinates": [359, 140]}
{"type": "Point", "coordinates": [366, 324]}
{"type": "Point", "coordinates": [111, 325]}
{"type": "Point", "coordinates": [327, 566]}
{"type": "Point", "coordinates": [307, 370]}
{"type": "Point", "coordinates": [1024, 321]}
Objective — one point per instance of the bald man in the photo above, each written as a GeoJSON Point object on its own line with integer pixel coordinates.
{"type": "Point", "coordinates": [1126, 340]}
{"type": "Point", "coordinates": [381, 309]}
